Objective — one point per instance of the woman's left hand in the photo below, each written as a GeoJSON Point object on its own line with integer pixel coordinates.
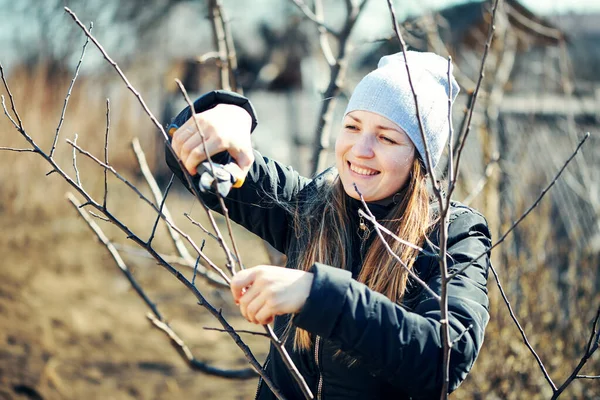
{"type": "Point", "coordinates": [265, 291]}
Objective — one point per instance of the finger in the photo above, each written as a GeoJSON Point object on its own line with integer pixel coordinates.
{"type": "Point", "coordinates": [180, 136]}
{"type": "Point", "coordinates": [190, 144]}
{"type": "Point", "coordinates": [244, 159]}
{"type": "Point", "coordinates": [249, 295]}
{"type": "Point", "coordinates": [240, 281]}
{"type": "Point", "coordinates": [198, 155]}
{"type": "Point", "coordinates": [264, 315]}
{"type": "Point", "coordinates": [257, 305]}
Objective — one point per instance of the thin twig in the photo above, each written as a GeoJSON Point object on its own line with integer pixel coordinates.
{"type": "Point", "coordinates": [106, 151]}
{"type": "Point", "coordinates": [160, 210]}
{"type": "Point", "coordinates": [473, 99]}
{"type": "Point", "coordinates": [237, 330]}
{"type": "Point", "coordinates": [7, 113]}
{"type": "Point", "coordinates": [587, 376]}
{"type": "Point", "coordinates": [12, 103]}
{"type": "Point", "coordinates": [460, 336]}
{"type": "Point", "coordinates": [18, 150]}
{"type": "Point", "coordinates": [98, 216]}
{"type": "Point", "coordinates": [68, 96]}
{"type": "Point", "coordinates": [114, 172]}
{"type": "Point", "coordinates": [523, 335]}
{"type": "Point", "coordinates": [528, 211]}
{"type": "Point", "coordinates": [199, 225]}
{"type": "Point", "coordinates": [75, 162]}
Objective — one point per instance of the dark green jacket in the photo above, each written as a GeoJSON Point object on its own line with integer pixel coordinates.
{"type": "Point", "coordinates": [398, 348]}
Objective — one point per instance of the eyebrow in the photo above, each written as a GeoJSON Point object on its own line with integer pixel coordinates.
{"type": "Point", "coordinates": [381, 127]}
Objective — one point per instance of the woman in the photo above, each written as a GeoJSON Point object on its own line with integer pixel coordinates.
{"type": "Point", "coordinates": [356, 325]}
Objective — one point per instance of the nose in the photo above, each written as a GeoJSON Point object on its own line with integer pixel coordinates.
{"type": "Point", "coordinates": [363, 147]}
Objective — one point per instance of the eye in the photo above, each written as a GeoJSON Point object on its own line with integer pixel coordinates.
{"type": "Point", "coordinates": [388, 140]}
{"type": "Point", "coordinates": [351, 127]}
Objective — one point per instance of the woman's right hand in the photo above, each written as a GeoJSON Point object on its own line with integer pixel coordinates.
{"type": "Point", "coordinates": [225, 127]}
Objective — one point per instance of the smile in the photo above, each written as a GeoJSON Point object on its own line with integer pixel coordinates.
{"type": "Point", "coordinates": [361, 170]}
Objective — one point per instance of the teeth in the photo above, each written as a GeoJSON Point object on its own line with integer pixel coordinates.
{"type": "Point", "coordinates": [362, 171]}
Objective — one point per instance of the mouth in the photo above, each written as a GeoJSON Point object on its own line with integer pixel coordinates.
{"type": "Point", "coordinates": [362, 171]}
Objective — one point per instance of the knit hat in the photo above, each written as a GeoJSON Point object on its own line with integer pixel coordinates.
{"type": "Point", "coordinates": [386, 91]}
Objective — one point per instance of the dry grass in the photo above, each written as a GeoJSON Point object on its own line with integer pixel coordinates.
{"type": "Point", "coordinates": [72, 328]}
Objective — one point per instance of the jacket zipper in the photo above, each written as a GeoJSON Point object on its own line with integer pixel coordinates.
{"type": "Point", "coordinates": [260, 380]}
{"type": "Point", "coordinates": [320, 385]}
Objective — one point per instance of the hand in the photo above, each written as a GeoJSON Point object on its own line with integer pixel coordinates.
{"type": "Point", "coordinates": [265, 291]}
{"type": "Point", "coordinates": [225, 127]}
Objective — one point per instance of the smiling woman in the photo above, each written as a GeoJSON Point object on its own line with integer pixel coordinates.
{"type": "Point", "coordinates": [356, 325]}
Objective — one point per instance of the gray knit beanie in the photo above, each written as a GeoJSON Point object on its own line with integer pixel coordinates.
{"type": "Point", "coordinates": [386, 91]}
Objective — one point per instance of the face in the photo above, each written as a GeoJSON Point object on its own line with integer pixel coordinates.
{"type": "Point", "coordinates": [375, 154]}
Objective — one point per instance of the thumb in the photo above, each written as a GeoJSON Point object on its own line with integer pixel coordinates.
{"type": "Point", "coordinates": [240, 282]}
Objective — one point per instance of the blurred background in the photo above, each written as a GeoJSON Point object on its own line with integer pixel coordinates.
{"type": "Point", "coordinates": [71, 326]}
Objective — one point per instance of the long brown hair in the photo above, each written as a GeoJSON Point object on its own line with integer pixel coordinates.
{"type": "Point", "coordinates": [321, 227]}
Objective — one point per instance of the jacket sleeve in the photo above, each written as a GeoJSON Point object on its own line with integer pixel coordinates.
{"type": "Point", "coordinates": [403, 346]}
{"type": "Point", "coordinates": [259, 204]}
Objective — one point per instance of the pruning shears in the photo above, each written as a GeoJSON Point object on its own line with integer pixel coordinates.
{"type": "Point", "coordinates": [218, 177]}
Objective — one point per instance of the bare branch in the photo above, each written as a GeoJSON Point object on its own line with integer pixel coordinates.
{"type": "Point", "coordinates": [106, 151]}
{"type": "Point", "coordinates": [136, 190]}
{"type": "Point", "coordinates": [185, 352]}
{"type": "Point", "coordinates": [528, 211]}
{"type": "Point", "coordinates": [7, 113]}
{"type": "Point", "coordinates": [114, 253]}
{"type": "Point", "coordinates": [199, 225]}
{"type": "Point", "coordinates": [114, 172]}
{"type": "Point", "coordinates": [450, 135]}
{"type": "Point", "coordinates": [460, 336]}
{"type": "Point", "coordinates": [156, 317]}
{"type": "Point", "coordinates": [12, 103]}
{"type": "Point", "coordinates": [75, 162]}
{"type": "Point", "coordinates": [160, 211]}
{"type": "Point", "coordinates": [100, 217]}
{"type": "Point", "coordinates": [68, 96]}
{"type": "Point", "coordinates": [220, 42]}
{"type": "Point", "coordinates": [237, 330]}
{"type": "Point", "coordinates": [17, 150]}
{"type": "Point", "coordinates": [523, 335]}
{"type": "Point", "coordinates": [314, 18]}
{"type": "Point", "coordinates": [323, 40]}
{"type": "Point", "coordinates": [592, 346]}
